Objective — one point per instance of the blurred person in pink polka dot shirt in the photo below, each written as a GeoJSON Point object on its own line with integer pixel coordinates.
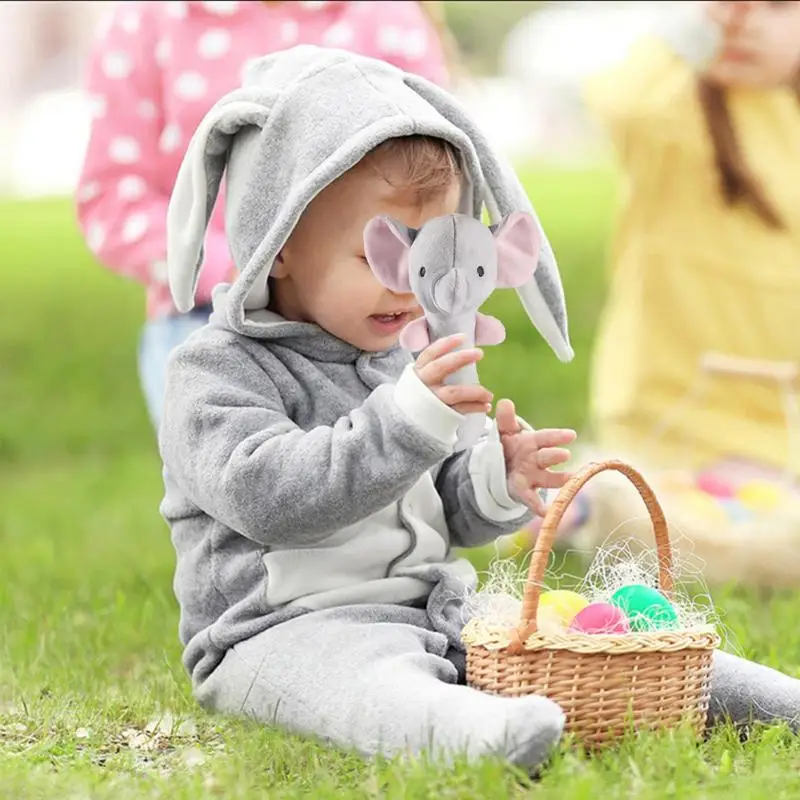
{"type": "Point", "coordinates": [153, 72]}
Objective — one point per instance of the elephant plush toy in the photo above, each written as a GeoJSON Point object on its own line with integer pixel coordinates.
{"type": "Point", "coordinates": [452, 264]}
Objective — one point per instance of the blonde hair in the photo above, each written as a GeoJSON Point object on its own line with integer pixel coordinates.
{"type": "Point", "coordinates": [423, 165]}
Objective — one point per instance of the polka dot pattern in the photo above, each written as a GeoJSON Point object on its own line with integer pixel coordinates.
{"type": "Point", "coordinates": [223, 8]}
{"type": "Point", "coordinates": [339, 35]}
{"type": "Point", "coordinates": [163, 52]}
{"type": "Point", "coordinates": [146, 109]}
{"type": "Point", "coordinates": [124, 150]}
{"type": "Point", "coordinates": [134, 228]}
{"type": "Point", "coordinates": [415, 44]}
{"type": "Point", "coordinates": [289, 31]}
{"type": "Point", "coordinates": [159, 272]}
{"type": "Point", "coordinates": [176, 9]}
{"type": "Point", "coordinates": [396, 41]}
{"type": "Point", "coordinates": [117, 65]}
{"type": "Point", "coordinates": [88, 192]}
{"type": "Point", "coordinates": [97, 106]}
{"type": "Point", "coordinates": [390, 39]}
{"type": "Point", "coordinates": [131, 188]}
{"type": "Point", "coordinates": [158, 68]}
{"type": "Point", "coordinates": [190, 86]}
{"type": "Point", "coordinates": [250, 62]}
{"type": "Point", "coordinates": [214, 43]}
{"type": "Point", "coordinates": [170, 138]}
{"type": "Point", "coordinates": [130, 22]}
{"type": "Point", "coordinates": [95, 237]}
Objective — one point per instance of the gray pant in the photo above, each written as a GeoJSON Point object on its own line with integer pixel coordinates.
{"type": "Point", "coordinates": [382, 680]}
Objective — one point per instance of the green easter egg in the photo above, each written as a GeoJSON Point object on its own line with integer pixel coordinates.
{"type": "Point", "coordinates": [647, 609]}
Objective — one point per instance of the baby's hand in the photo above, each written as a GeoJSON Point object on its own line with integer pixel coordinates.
{"type": "Point", "coordinates": [438, 361]}
{"type": "Point", "coordinates": [529, 455]}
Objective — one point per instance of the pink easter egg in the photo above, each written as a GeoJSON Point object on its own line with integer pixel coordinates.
{"type": "Point", "coordinates": [714, 485]}
{"type": "Point", "coordinates": [600, 618]}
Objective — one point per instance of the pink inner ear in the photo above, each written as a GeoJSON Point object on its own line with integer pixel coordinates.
{"type": "Point", "coordinates": [415, 336]}
{"type": "Point", "coordinates": [488, 330]}
{"type": "Point", "coordinates": [518, 241]}
{"type": "Point", "coordinates": [387, 254]}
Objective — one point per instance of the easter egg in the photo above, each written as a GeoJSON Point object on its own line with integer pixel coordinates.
{"type": "Point", "coordinates": [646, 608]}
{"type": "Point", "coordinates": [759, 495]}
{"type": "Point", "coordinates": [714, 485]}
{"type": "Point", "coordinates": [600, 618]}
{"type": "Point", "coordinates": [557, 609]}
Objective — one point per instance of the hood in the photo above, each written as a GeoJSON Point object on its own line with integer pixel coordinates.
{"type": "Point", "coordinates": [305, 338]}
{"type": "Point", "coordinates": [302, 118]}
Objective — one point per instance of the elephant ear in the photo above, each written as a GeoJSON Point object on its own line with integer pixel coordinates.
{"type": "Point", "coordinates": [386, 246]}
{"type": "Point", "coordinates": [518, 241]}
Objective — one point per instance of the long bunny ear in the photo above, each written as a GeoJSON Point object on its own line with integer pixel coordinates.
{"type": "Point", "coordinates": [196, 189]}
{"type": "Point", "coordinates": [542, 296]}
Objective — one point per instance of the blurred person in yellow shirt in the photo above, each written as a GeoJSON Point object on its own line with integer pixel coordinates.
{"type": "Point", "coordinates": [705, 123]}
{"type": "Point", "coordinates": [699, 340]}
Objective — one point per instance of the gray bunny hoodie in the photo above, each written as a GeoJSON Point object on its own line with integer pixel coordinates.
{"type": "Point", "coordinates": [301, 473]}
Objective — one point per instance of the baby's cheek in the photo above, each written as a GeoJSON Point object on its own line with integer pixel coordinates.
{"type": "Point", "coordinates": [338, 293]}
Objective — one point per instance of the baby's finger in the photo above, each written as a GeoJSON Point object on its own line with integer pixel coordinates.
{"type": "Point", "coordinates": [553, 480]}
{"type": "Point", "coordinates": [529, 496]}
{"type": "Point", "coordinates": [472, 408]}
{"type": "Point", "coordinates": [534, 501]}
{"type": "Point", "coordinates": [441, 346]}
{"type": "Point", "coordinates": [505, 417]}
{"type": "Point", "coordinates": [552, 457]}
{"type": "Point", "coordinates": [470, 393]}
{"type": "Point", "coordinates": [554, 437]}
{"type": "Point", "coordinates": [434, 373]}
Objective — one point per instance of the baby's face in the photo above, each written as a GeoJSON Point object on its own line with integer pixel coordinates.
{"type": "Point", "coordinates": [322, 275]}
{"type": "Point", "coordinates": [761, 42]}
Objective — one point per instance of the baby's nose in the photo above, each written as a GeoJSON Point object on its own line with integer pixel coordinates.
{"type": "Point", "coordinates": [405, 297]}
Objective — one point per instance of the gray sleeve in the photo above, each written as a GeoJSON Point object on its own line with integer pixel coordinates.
{"type": "Point", "coordinates": [229, 446]}
{"type": "Point", "coordinates": [472, 485]}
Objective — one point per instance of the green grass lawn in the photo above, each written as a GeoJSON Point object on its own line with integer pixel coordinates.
{"type": "Point", "coordinates": [93, 699]}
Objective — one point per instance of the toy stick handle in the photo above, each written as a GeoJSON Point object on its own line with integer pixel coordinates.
{"type": "Point", "coordinates": [473, 426]}
{"type": "Point", "coordinates": [547, 535]}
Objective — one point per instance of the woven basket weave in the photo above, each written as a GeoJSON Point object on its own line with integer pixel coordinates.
{"type": "Point", "coordinates": [606, 684]}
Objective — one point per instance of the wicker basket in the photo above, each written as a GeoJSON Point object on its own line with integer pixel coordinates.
{"type": "Point", "coordinates": [606, 684]}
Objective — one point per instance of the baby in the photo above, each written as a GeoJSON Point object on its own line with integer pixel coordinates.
{"type": "Point", "coordinates": [312, 487]}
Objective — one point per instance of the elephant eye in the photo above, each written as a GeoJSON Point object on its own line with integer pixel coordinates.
{"type": "Point", "coordinates": [422, 272]}
{"type": "Point", "coordinates": [481, 272]}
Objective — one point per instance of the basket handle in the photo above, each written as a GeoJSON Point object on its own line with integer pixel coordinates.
{"type": "Point", "coordinates": [547, 535]}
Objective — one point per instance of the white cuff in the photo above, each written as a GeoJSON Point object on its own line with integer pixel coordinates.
{"type": "Point", "coordinates": [425, 409]}
{"type": "Point", "coordinates": [487, 469]}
